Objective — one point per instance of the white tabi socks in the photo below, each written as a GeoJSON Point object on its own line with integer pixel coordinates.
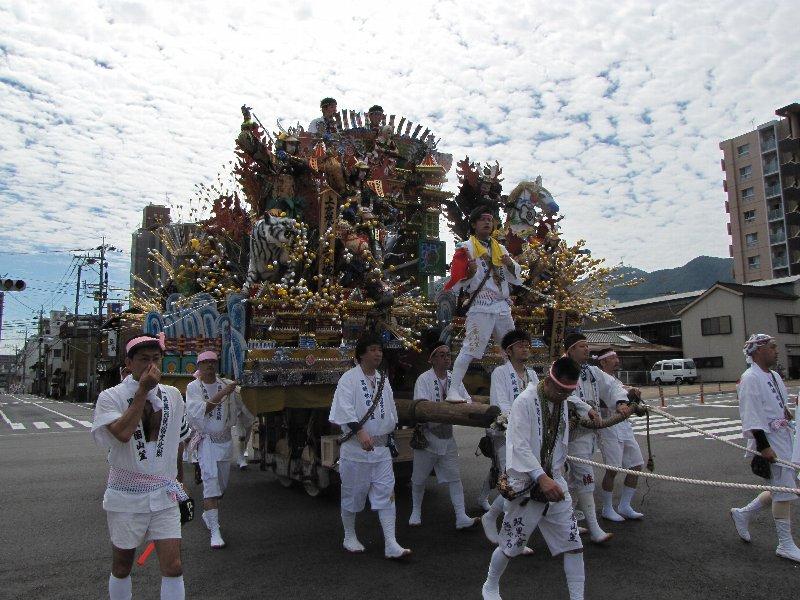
{"type": "Point", "coordinates": [172, 588]}
{"type": "Point", "coordinates": [624, 507]}
{"type": "Point", "coordinates": [119, 589]}
{"type": "Point", "coordinates": [786, 546]}
{"type": "Point", "coordinates": [489, 520]}
{"type": "Point", "coordinates": [460, 367]}
{"type": "Point", "coordinates": [742, 516]}
{"type": "Point", "coordinates": [351, 543]}
{"type": "Point", "coordinates": [586, 505]}
{"type": "Point", "coordinates": [391, 548]}
{"type": "Point", "coordinates": [497, 566]}
{"type": "Point", "coordinates": [608, 508]}
{"type": "Point", "coordinates": [483, 496]}
{"type": "Point", "coordinates": [211, 519]}
{"type": "Point", "coordinates": [573, 569]}
{"type": "Point", "coordinates": [456, 489]}
{"type": "Point", "coordinates": [417, 494]}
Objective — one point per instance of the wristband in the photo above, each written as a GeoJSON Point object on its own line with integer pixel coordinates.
{"type": "Point", "coordinates": [761, 439]}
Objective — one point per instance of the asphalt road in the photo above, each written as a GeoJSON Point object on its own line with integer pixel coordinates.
{"type": "Point", "coordinates": [284, 544]}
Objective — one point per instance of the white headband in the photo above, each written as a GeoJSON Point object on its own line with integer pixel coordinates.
{"type": "Point", "coordinates": [753, 343]}
{"type": "Point", "coordinates": [608, 354]}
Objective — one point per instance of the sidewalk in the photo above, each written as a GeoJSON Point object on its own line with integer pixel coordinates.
{"type": "Point", "coordinates": [650, 392]}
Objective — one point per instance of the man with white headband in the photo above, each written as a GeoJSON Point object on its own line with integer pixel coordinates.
{"type": "Point", "coordinates": [440, 453]}
{"type": "Point", "coordinates": [583, 442]}
{"type": "Point", "coordinates": [763, 406]}
{"type": "Point", "coordinates": [213, 407]}
{"type": "Point", "coordinates": [142, 424]}
{"type": "Point", "coordinates": [508, 381]}
{"type": "Point", "coordinates": [536, 454]}
{"type": "Point", "coordinates": [483, 268]}
{"type": "Point", "coordinates": [618, 443]}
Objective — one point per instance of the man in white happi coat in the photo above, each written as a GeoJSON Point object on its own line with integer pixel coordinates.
{"type": "Point", "coordinates": [508, 382]}
{"type": "Point", "coordinates": [483, 268]}
{"type": "Point", "coordinates": [213, 406]}
{"type": "Point", "coordinates": [618, 443]}
{"type": "Point", "coordinates": [536, 451]}
{"type": "Point", "coordinates": [441, 452]}
{"type": "Point", "coordinates": [763, 406]}
{"type": "Point", "coordinates": [365, 459]}
{"type": "Point", "coordinates": [326, 124]}
{"type": "Point", "coordinates": [142, 424]}
{"type": "Point", "coordinates": [583, 442]}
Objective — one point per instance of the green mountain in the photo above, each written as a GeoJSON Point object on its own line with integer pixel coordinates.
{"type": "Point", "coordinates": [698, 274]}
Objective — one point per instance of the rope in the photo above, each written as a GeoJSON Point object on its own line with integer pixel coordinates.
{"type": "Point", "coordinates": [719, 484]}
{"type": "Point", "coordinates": [674, 419]}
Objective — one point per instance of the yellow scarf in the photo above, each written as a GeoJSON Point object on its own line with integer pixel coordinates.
{"type": "Point", "coordinates": [478, 250]}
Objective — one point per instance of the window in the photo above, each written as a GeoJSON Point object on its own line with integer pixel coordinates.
{"type": "Point", "coordinates": [788, 323]}
{"type": "Point", "coordinates": [675, 330]}
{"type": "Point", "coordinates": [715, 325]}
{"type": "Point", "coordinates": [753, 262]}
{"type": "Point", "coordinates": [745, 172]}
{"type": "Point", "coordinates": [751, 239]}
{"type": "Point", "coordinates": [748, 194]}
{"type": "Point", "coordinates": [749, 215]}
{"type": "Point", "coordinates": [667, 366]}
{"type": "Point", "coordinates": [688, 364]}
{"type": "Point", "coordinates": [56, 353]}
{"type": "Point", "coordinates": [743, 150]}
{"type": "Point", "coordinates": [709, 362]}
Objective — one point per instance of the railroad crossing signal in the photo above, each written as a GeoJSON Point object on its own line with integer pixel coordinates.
{"type": "Point", "coordinates": [13, 285]}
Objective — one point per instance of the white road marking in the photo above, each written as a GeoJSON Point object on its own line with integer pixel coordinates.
{"type": "Point", "coordinates": [78, 421]}
{"type": "Point", "coordinates": [64, 425]}
{"type": "Point", "coordinates": [9, 423]}
{"type": "Point", "coordinates": [41, 425]}
{"type": "Point", "coordinates": [734, 427]}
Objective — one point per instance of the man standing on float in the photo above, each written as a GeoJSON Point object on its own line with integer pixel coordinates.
{"type": "Point", "coordinates": [483, 268]}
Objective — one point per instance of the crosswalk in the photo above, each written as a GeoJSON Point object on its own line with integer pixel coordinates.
{"type": "Point", "coordinates": [724, 427]}
{"type": "Point", "coordinates": [32, 414]}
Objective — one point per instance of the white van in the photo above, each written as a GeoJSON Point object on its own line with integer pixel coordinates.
{"type": "Point", "coordinates": [678, 370]}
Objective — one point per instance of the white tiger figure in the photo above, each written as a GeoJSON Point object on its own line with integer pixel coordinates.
{"type": "Point", "coordinates": [269, 241]}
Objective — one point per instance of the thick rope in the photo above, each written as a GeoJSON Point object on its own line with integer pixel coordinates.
{"type": "Point", "coordinates": [675, 419]}
{"type": "Point", "coordinates": [719, 484]}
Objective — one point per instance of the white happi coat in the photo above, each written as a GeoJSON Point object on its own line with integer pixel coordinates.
{"type": "Point", "coordinates": [439, 435]}
{"type": "Point", "coordinates": [351, 401]}
{"type": "Point", "coordinates": [586, 396]}
{"type": "Point", "coordinates": [611, 392]}
{"type": "Point", "coordinates": [505, 387]}
{"type": "Point", "coordinates": [524, 441]}
{"type": "Point", "coordinates": [492, 299]}
{"type": "Point", "coordinates": [762, 404]}
{"type": "Point", "coordinates": [213, 428]}
{"type": "Point", "coordinates": [158, 458]}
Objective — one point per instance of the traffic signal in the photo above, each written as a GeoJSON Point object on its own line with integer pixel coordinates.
{"type": "Point", "coordinates": [13, 285]}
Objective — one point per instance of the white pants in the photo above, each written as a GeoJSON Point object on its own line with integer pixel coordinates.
{"type": "Point", "coordinates": [580, 477]}
{"type": "Point", "coordinates": [480, 327]}
{"type": "Point", "coordinates": [129, 530]}
{"type": "Point", "coordinates": [214, 487]}
{"type": "Point", "coordinates": [623, 453]}
{"type": "Point", "coordinates": [445, 466]}
{"type": "Point", "coordinates": [557, 525]}
{"type": "Point", "coordinates": [363, 479]}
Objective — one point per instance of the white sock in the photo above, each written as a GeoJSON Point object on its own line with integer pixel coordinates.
{"type": "Point", "coordinates": [608, 500]}
{"type": "Point", "coordinates": [387, 518]}
{"type": "Point", "coordinates": [211, 518]}
{"type": "Point", "coordinates": [349, 524]}
{"type": "Point", "coordinates": [627, 496]}
{"type": "Point", "coordinates": [486, 487]}
{"type": "Point", "coordinates": [573, 569]}
{"type": "Point", "coordinates": [417, 494]}
{"type": "Point", "coordinates": [755, 506]}
{"type": "Point", "coordinates": [460, 367]}
{"type": "Point", "coordinates": [119, 589]}
{"type": "Point", "coordinates": [497, 507]}
{"type": "Point", "coordinates": [497, 567]}
{"type": "Point", "coordinates": [784, 529]}
{"type": "Point", "coordinates": [586, 506]}
{"type": "Point", "coordinates": [456, 489]}
{"type": "Point", "coordinates": [172, 588]}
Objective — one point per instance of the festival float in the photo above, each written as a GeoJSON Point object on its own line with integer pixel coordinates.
{"type": "Point", "coordinates": [322, 233]}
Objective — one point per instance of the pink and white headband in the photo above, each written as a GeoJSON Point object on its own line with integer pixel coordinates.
{"type": "Point", "coordinates": [566, 386]}
{"type": "Point", "coordinates": [440, 346]}
{"type": "Point", "coordinates": [207, 355]}
{"type": "Point", "coordinates": [609, 354]}
{"type": "Point", "coordinates": [146, 339]}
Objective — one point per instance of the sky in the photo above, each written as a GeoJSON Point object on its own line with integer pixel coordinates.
{"type": "Point", "coordinates": [107, 106]}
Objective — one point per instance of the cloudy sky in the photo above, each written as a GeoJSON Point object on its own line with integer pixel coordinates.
{"type": "Point", "coordinates": [106, 106]}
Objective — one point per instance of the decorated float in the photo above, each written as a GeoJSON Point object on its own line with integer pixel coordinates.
{"type": "Point", "coordinates": [326, 231]}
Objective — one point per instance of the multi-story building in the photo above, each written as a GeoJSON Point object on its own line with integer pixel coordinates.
{"type": "Point", "coordinates": [143, 240]}
{"type": "Point", "coordinates": [762, 181]}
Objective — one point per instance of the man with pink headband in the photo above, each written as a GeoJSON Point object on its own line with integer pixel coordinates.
{"type": "Point", "coordinates": [766, 425]}
{"type": "Point", "coordinates": [618, 443]}
{"type": "Point", "coordinates": [508, 381]}
{"type": "Point", "coordinates": [484, 269]}
{"type": "Point", "coordinates": [441, 452]}
{"type": "Point", "coordinates": [213, 407]}
{"type": "Point", "coordinates": [142, 424]}
{"type": "Point", "coordinates": [536, 455]}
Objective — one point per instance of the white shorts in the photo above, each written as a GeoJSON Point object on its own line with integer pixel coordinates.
{"type": "Point", "coordinates": [479, 328]}
{"type": "Point", "coordinates": [580, 477]}
{"type": "Point", "coordinates": [445, 466]}
{"type": "Point", "coordinates": [214, 487]}
{"type": "Point", "coordinates": [621, 453]}
{"type": "Point", "coordinates": [129, 530]}
{"type": "Point", "coordinates": [783, 477]}
{"type": "Point", "coordinates": [362, 479]}
{"type": "Point", "coordinates": [523, 516]}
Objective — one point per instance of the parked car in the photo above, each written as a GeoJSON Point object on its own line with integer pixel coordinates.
{"type": "Point", "coordinates": [678, 370]}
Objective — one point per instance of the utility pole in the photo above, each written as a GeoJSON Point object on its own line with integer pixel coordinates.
{"type": "Point", "coordinates": [39, 363]}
